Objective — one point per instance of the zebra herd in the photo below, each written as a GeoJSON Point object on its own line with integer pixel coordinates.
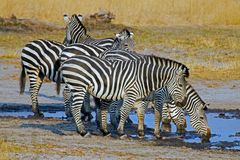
{"type": "Point", "coordinates": [116, 76]}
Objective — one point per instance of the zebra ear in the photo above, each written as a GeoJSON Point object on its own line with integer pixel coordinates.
{"type": "Point", "coordinates": [117, 35]}
{"type": "Point", "coordinates": [180, 72]}
{"type": "Point", "coordinates": [186, 72]}
{"type": "Point", "coordinates": [131, 34]}
{"type": "Point", "coordinates": [205, 106]}
{"type": "Point", "coordinates": [80, 17]}
{"type": "Point", "coordinates": [66, 18]}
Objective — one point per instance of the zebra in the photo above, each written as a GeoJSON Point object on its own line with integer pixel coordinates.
{"type": "Point", "coordinates": [123, 41]}
{"type": "Point", "coordinates": [196, 109]}
{"type": "Point", "coordinates": [76, 32]}
{"type": "Point", "coordinates": [169, 113]}
{"type": "Point", "coordinates": [128, 80]}
{"type": "Point", "coordinates": [38, 61]}
{"type": "Point", "coordinates": [176, 112]}
{"type": "Point", "coordinates": [159, 96]}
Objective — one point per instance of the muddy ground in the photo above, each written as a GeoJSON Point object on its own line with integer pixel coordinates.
{"type": "Point", "coordinates": [25, 138]}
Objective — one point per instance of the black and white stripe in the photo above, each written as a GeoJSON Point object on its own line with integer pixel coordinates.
{"type": "Point", "coordinates": [123, 41]}
{"type": "Point", "coordinates": [38, 61]}
{"type": "Point", "coordinates": [128, 80]}
{"type": "Point", "coordinates": [77, 33]}
{"type": "Point", "coordinates": [194, 105]}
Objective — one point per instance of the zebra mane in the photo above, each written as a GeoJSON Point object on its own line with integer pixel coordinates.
{"type": "Point", "coordinates": [80, 23]}
{"type": "Point", "coordinates": [193, 90]}
{"type": "Point", "coordinates": [165, 60]}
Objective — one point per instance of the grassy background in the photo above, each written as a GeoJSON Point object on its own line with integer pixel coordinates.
{"type": "Point", "coordinates": [167, 28]}
{"type": "Point", "coordinates": [142, 12]}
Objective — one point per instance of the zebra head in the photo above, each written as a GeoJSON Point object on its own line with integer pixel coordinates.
{"type": "Point", "coordinates": [196, 108]}
{"type": "Point", "coordinates": [178, 116]}
{"type": "Point", "coordinates": [123, 40]}
{"type": "Point", "coordinates": [178, 84]}
{"type": "Point", "coordinates": [75, 30]}
{"type": "Point", "coordinates": [199, 121]}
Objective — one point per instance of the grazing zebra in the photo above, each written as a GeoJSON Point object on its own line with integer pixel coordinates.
{"type": "Point", "coordinates": [196, 108]}
{"type": "Point", "coordinates": [160, 96]}
{"type": "Point", "coordinates": [128, 80]}
{"type": "Point", "coordinates": [176, 112]}
{"type": "Point", "coordinates": [77, 33]}
{"type": "Point", "coordinates": [38, 61]}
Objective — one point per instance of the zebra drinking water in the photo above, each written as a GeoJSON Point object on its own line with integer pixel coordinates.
{"type": "Point", "coordinates": [128, 80]}
{"type": "Point", "coordinates": [160, 96]}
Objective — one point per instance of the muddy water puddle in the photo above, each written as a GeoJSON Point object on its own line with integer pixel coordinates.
{"type": "Point", "coordinates": [225, 128]}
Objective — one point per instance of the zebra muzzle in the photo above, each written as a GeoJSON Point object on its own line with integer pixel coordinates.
{"type": "Point", "coordinates": [207, 137]}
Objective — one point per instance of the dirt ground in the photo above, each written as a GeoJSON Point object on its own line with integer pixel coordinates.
{"type": "Point", "coordinates": [24, 138]}
{"type": "Point", "coordinates": [55, 139]}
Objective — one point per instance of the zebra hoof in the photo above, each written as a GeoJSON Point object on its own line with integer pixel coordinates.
{"type": "Point", "coordinates": [82, 133]}
{"type": "Point", "coordinates": [157, 135]}
{"type": "Point", "coordinates": [37, 116]}
{"type": "Point", "coordinates": [87, 135]}
{"type": "Point", "coordinates": [166, 127]}
{"type": "Point", "coordinates": [140, 137]}
{"type": "Point", "coordinates": [107, 135]}
{"type": "Point", "coordinates": [104, 132]}
{"type": "Point", "coordinates": [124, 136]}
{"type": "Point", "coordinates": [140, 133]}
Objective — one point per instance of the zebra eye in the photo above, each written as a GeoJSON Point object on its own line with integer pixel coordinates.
{"type": "Point", "coordinates": [180, 85]}
{"type": "Point", "coordinates": [201, 118]}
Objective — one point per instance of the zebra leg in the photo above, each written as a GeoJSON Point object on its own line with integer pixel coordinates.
{"type": "Point", "coordinates": [103, 111]}
{"type": "Point", "coordinates": [166, 119]}
{"type": "Point", "coordinates": [128, 102]}
{"type": "Point", "coordinates": [78, 97]}
{"type": "Point", "coordinates": [140, 113]}
{"type": "Point", "coordinates": [36, 80]}
{"type": "Point", "coordinates": [157, 118]}
{"type": "Point", "coordinates": [98, 112]}
{"type": "Point", "coordinates": [114, 112]}
{"type": "Point", "coordinates": [178, 117]}
{"type": "Point", "coordinates": [67, 101]}
{"type": "Point", "coordinates": [86, 110]}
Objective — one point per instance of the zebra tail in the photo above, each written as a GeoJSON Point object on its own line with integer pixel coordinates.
{"type": "Point", "coordinates": [22, 80]}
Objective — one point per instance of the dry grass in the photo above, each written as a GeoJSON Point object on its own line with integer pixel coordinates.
{"type": "Point", "coordinates": [210, 53]}
{"type": "Point", "coordinates": [9, 149]}
{"type": "Point", "coordinates": [131, 12]}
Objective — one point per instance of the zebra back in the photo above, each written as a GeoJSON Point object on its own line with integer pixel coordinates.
{"type": "Point", "coordinates": [147, 82]}
{"type": "Point", "coordinates": [76, 32]}
{"type": "Point", "coordinates": [42, 55]}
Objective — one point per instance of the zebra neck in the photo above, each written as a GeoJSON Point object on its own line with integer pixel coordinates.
{"type": "Point", "coordinates": [85, 38]}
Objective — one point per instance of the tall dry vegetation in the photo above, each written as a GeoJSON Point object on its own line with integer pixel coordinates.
{"type": "Point", "coordinates": [132, 12]}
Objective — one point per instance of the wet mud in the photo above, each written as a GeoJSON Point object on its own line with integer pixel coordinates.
{"type": "Point", "coordinates": [224, 124]}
